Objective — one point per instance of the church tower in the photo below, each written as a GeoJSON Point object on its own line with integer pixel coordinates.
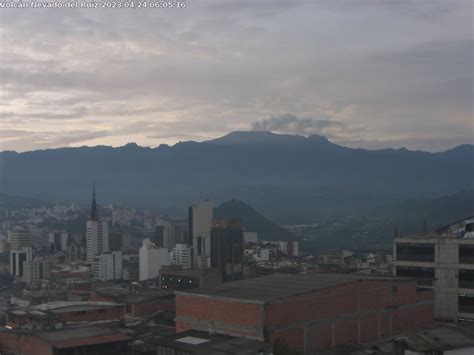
{"type": "Point", "coordinates": [97, 232]}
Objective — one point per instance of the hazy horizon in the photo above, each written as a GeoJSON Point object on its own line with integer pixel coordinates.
{"type": "Point", "coordinates": [367, 147]}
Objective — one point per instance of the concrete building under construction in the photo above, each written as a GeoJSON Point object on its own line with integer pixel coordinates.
{"type": "Point", "coordinates": [444, 262]}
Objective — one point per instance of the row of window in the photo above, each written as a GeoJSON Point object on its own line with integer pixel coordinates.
{"type": "Point", "coordinates": [426, 252]}
{"type": "Point", "coordinates": [426, 275]}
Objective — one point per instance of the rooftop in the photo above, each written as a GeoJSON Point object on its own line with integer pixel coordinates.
{"type": "Point", "coordinates": [61, 306]}
{"type": "Point", "coordinates": [278, 286]}
{"type": "Point", "coordinates": [69, 338]}
{"type": "Point", "coordinates": [127, 296]}
{"type": "Point", "coordinates": [187, 272]}
{"type": "Point", "coordinates": [199, 342]}
{"type": "Point", "coordinates": [441, 338]}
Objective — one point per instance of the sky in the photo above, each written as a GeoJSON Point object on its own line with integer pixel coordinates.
{"type": "Point", "coordinates": [368, 73]}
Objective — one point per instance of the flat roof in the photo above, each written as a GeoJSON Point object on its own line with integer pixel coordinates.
{"type": "Point", "coordinates": [442, 337]}
{"type": "Point", "coordinates": [61, 306]}
{"type": "Point", "coordinates": [126, 296]}
{"type": "Point", "coordinates": [74, 333]}
{"type": "Point", "coordinates": [74, 337]}
{"type": "Point", "coordinates": [200, 342]}
{"type": "Point", "coordinates": [278, 286]}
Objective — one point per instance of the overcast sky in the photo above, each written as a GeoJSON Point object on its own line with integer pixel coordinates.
{"type": "Point", "coordinates": [363, 73]}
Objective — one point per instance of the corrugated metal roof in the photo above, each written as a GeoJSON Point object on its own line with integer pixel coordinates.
{"type": "Point", "coordinates": [62, 306]}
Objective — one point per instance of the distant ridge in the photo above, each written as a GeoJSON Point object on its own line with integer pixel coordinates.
{"type": "Point", "coordinates": [263, 137]}
{"type": "Point", "coordinates": [19, 202]}
{"type": "Point", "coordinates": [293, 179]}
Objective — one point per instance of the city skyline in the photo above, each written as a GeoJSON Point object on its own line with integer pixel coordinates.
{"type": "Point", "coordinates": [363, 73]}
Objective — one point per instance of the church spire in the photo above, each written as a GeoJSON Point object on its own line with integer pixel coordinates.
{"type": "Point", "coordinates": [94, 213]}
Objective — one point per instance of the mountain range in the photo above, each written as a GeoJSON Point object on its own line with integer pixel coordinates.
{"type": "Point", "coordinates": [290, 178]}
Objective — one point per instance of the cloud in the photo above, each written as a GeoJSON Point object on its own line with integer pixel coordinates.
{"type": "Point", "coordinates": [51, 139]}
{"type": "Point", "coordinates": [355, 71]}
{"type": "Point", "coordinates": [289, 123]}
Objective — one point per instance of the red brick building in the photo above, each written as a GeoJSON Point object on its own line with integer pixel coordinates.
{"type": "Point", "coordinates": [49, 315]}
{"type": "Point", "coordinates": [84, 341]}
{"type": "Point", "coordinates": [138, 303]}
{"type": "Point", "coordinates": [307, 311]}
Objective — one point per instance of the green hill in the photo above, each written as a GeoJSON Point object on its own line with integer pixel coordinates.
{"type": "Point", "coordinates": [252, 221]}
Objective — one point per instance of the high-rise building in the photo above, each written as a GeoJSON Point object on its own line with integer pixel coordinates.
{"type": "Point", "coordinates": [151, 259]}
{"type": "Point", "coordinates": [58, 241]}
{"type": "Point", "coordinates": [20, 238]}
{"type": "Point", "coordinates": [4, 245]}
{"type": "Point", "coordinates": [17, 258]}
{"type": "Point", "coordinates": [125, 241]}
{"type": "Point", "coordinates": [115, 241]}
{"type": "Point", "coordinates": [181, 232]}
{"type": "Point", "coordinates": [227, 248]}
{"type": "Point", "coordinates": [442, 261]}
{"type": "Point", "coordinates": [131, 267]}
{"type": "Point", "coordinates": [97, 233]}
{"type": "Point", "coordinates": [200, 224]}
{"type": "Point", "coordinates": [108, 266]}
{"type": "Point", "coordinates": [35, 270]}
{"type": "Point", "coordinates": [181, 255]}
{"type": "Point", "coordinates": [21, 250]}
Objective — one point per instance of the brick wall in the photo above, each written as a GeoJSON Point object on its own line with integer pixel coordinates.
{"type": "Point", "coordinates": [111, 313]}
{"type": "Point", "coordinates": [25, 344]}
{"type": "Point", "coordinates": [116, 312]}
{"type": "Point", "coordinates": [143, 309]}
{"type": "Point", "coordinates": [355, 312]}
{"type": "Point", "coordinates": [232, 317]}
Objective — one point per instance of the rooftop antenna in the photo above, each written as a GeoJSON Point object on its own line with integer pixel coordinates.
{"type": "Point", "coordinates": [425, 227]}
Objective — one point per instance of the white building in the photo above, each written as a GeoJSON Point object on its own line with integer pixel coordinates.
{"type": "Point", "coordinates": [97, 233]}
{"type": "Point", "coordinates": [250, 237]}
{"type": "Point", "coordinates": [35, 270]}
{"type": "Point", "coordinates": [97, 236]}
{"type": "Point", "coordinates": [58, 240]}
{"type": "Point", "coordinates": [336, 257]}
{"type": "Point", "coordinates": [151, 259]}
{"type": "Point", "coordinates": [200, 225]}
{"type": "Point", "coordinates": [181, 255]}
{"type": "Point", "coordinates": [261, 255]}
{"type": "Point", "coordinates": [108, 266]}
